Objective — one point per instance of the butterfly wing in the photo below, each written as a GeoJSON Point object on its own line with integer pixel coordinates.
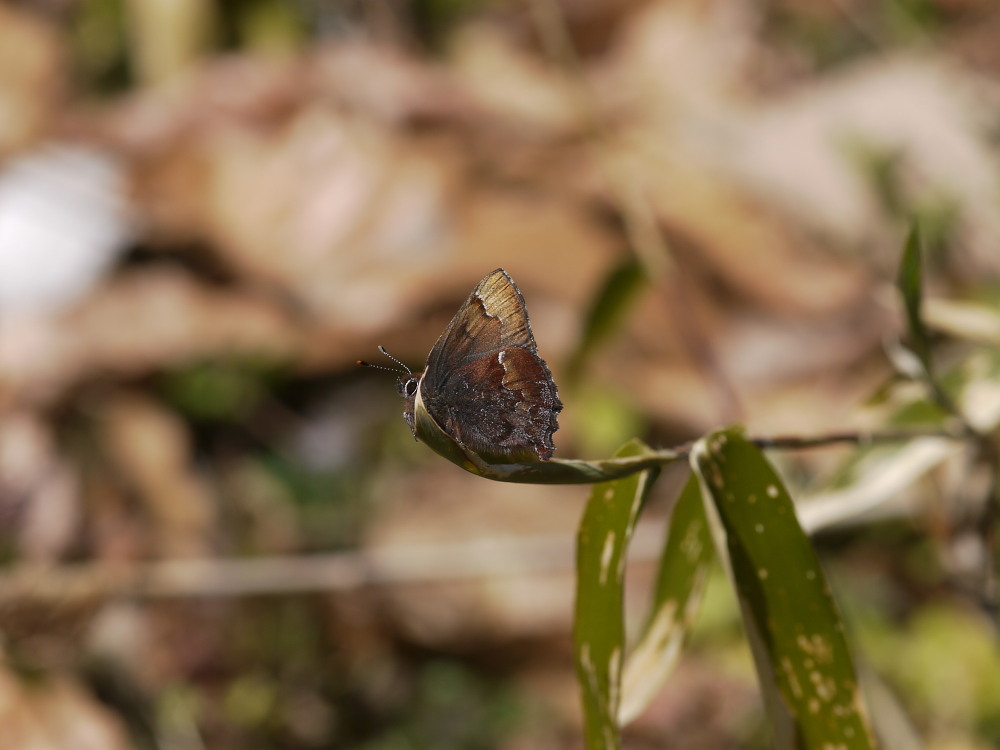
{"type": "Point", "coordinates": [494, 317]}
{"type": "Point", "coordinates": [485, 383]}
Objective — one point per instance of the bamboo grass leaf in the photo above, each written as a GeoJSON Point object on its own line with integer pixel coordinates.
{"type": "Point", "coordinates": [910, 283]}
{"type": "Point", "coordinates": [599, 632]}
{"type": "Point", "coordinates": [804, 666]}
{"type": "Point", "coordinates": [607, 310]}
{"type": "Point", "coordinates": [680, 581]}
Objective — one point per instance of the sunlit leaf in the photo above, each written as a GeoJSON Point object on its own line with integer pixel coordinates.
{"type": "Point", "coordinates": [683, 571]}
{"type": "Point", "coordinates": [804, 666]}
{"type": "Point", "coordinates": [599, 631]}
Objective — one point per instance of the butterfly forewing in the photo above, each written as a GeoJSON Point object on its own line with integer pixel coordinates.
{"type": "Point", "coordinates": [492, 318]}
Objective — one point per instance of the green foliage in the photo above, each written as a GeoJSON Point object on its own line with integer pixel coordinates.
{"type": "Point", "coordinates": [607, 310]}
{"type": "Point", "coordinates": [217, 390]}
{"type": "Point", "coordinates": [911, 288]}
{"type": "Point", "coordinates": [451, 708]}
{"type": "Point", "coordinates": [599, 632]}
{"type": "Point", "coordinates": [912, 20]}
{"type": "Point", "coordinates": [804, 666]}
{"type": "Point", "coordinates": [268, 25]}
{"type": "Point", "coordinates": [607, 418]}
{"type": "Point", "coordinates": [680, 580]}
{"type": "Point", "coordinates": [100, 45]}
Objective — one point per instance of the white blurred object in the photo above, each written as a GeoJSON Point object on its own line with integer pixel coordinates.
{"type": "Point", "coordinates": [883, 487]}
{"type": "Point", "coordinates": [64, 219]}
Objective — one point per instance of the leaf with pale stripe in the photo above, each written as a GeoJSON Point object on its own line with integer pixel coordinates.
{"type": "Point", "coordinates": [680, 581]}
{"type": "Point", "coordinates": [599, 625]}
{"type": "Point", "coordinates": [804, 666]}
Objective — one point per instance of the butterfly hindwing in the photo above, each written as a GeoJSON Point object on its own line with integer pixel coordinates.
{"type": "Point", "coordinates": [499, 405]}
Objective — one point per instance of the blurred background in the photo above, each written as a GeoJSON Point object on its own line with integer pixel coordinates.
{"type": "Point", "coordinates": [217, 531]}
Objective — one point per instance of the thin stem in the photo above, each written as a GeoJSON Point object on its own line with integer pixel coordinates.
{"type": "Point", "coordinates": [792, 442]}
{"type": "Point", "coordinates": [800, 442]}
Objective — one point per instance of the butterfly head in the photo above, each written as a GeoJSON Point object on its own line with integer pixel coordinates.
{"type": "Point", "coordinates": [407, 384]}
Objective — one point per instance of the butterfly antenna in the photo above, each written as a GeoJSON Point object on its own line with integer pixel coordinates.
{"type": "Point", "coordinates": [387, 369]}
{"type": "Point", "coordinates": [401, 364]}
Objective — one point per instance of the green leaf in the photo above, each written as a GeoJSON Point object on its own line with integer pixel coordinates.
{"type": "Point", "coordinates": [804, 666]}
{"type": "Point", "coordinates": [606, 312]}
{"type": "Point", "coordinates": [910, 284]}
{"type": "Point", "coordinates": [525, 468]}
{"type": "Point", "coordinates": [680, 581]}
{"type": "Point", "coordinates": [599, 631]}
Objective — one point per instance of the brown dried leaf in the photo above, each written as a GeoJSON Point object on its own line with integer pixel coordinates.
{"type": "Point", "coordinates": [324, 209]}
{"type": "Point", "coordinates": [510, 85]}
{"type": "Point", "coordinates": [56, 715]}
{"type": "Point", "coordinates": [381, 83]}
{"type": "Point", "coordinates": [30, 77]}
{"type": "Point", "coordinates": [435, 509]}
{"type": "Point", "coordinates": [151, 447]}
{"type": "Point", "coordinates": [137, 323]}
{"type": "Point", "coordinates": [39, 494]}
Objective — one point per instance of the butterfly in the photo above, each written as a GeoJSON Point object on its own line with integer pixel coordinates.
{"type": "Point", "coordinates": [484, 383]}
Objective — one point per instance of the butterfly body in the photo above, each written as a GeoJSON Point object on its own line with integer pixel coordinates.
{"type": "Point", "coordinates": [484, 383]}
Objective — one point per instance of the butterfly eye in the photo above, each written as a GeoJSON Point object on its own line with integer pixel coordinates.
{"type": "Point", "coordinates": [410, 386]}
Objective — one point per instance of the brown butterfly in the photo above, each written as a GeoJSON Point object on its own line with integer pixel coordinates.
{"type": "Point", "coordinates": [484, 382]}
